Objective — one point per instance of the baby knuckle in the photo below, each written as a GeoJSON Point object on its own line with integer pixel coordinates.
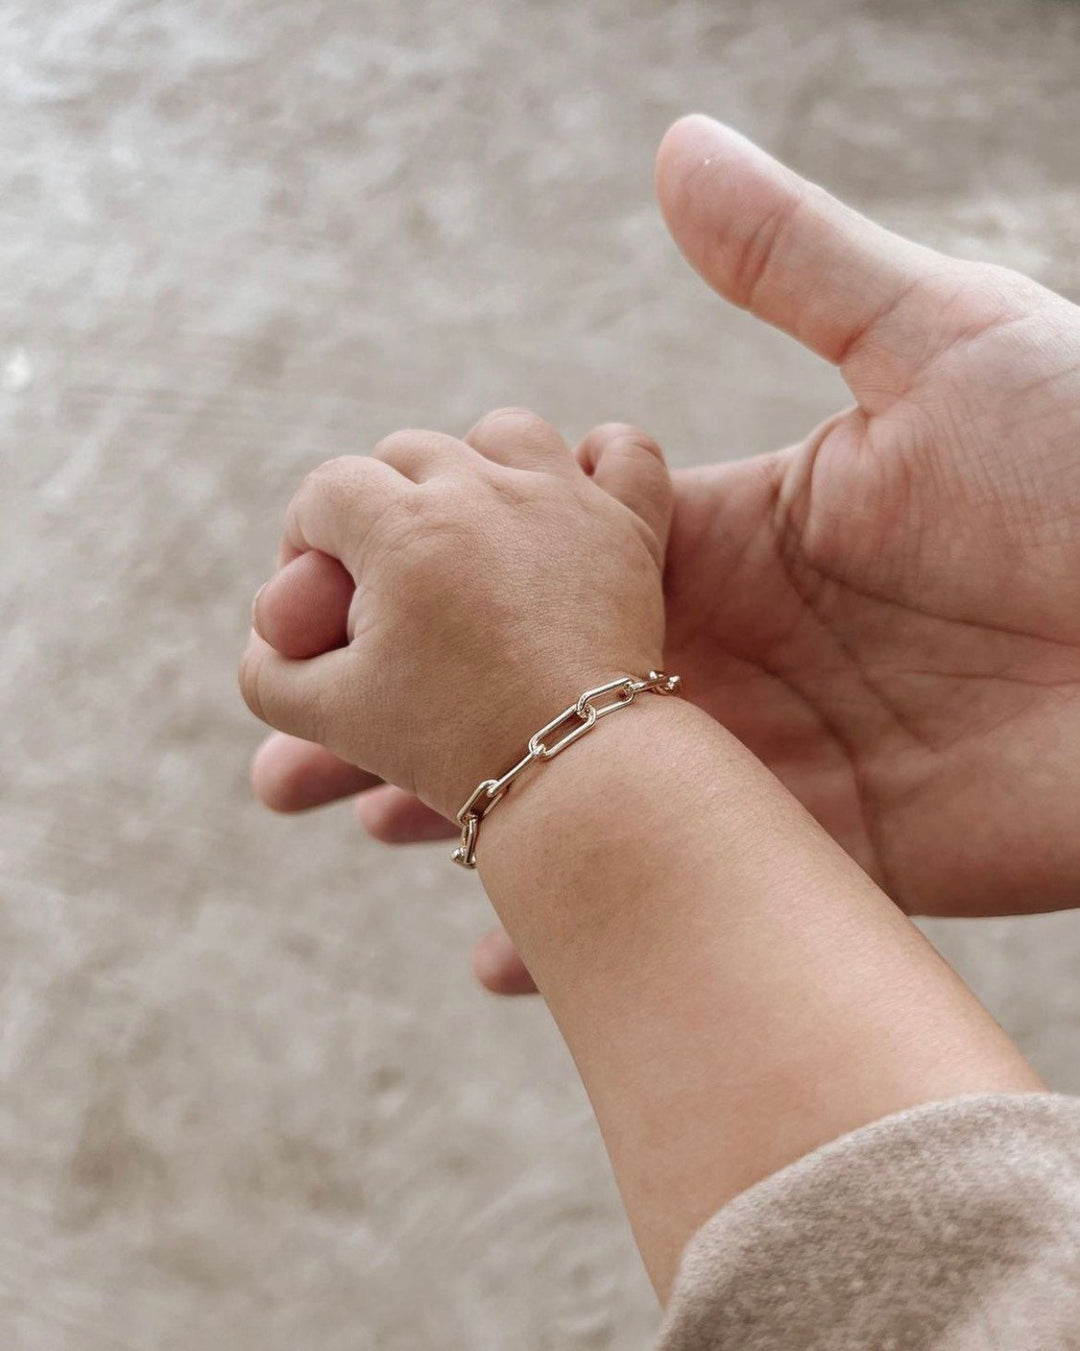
{"type": "Point", "coordinates": [511, 426]}
{"type": "Point", "coordinates": [403, 448]}
{"type": "Point", "coordinates": [339, 473]}
{"type": "Point", "coordinates": [521, 418]}
{"type": "Point", "coordinates": [392, 446]}
{"type": "Point", "coordinates": [337, 468]}
{"type": "Point", "coordinates": [335, 487]}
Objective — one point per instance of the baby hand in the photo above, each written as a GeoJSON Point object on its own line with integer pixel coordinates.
{"type": "Point", "coordinates": [480, 586]}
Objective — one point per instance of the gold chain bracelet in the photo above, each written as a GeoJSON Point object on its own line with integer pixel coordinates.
{"type": "Point", "coordinates": [583, 717]}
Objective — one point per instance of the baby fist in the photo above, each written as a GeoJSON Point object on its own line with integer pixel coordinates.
{"type": "Point", "coordinates": [467, 591]}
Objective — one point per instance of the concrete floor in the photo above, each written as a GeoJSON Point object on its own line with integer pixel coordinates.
{"type": "Point", "coordinates": [251, 1097]}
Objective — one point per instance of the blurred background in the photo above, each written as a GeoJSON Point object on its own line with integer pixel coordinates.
{"type": "Point", "coordinates": [251, 1097]}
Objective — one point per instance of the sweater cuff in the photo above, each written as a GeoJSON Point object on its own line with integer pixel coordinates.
{"type": "Point", "coordinates": [950, 1226]}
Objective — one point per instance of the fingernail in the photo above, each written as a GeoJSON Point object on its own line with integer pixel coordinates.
{"type": "Point", "coordinates": [254, 605]}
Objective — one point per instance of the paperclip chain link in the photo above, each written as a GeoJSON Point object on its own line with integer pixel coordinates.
{"type": "Point", "coordinates": [581, 717]}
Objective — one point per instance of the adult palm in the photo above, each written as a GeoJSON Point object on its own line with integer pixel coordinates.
{"type": "Point", "coordinates": [887, 613]}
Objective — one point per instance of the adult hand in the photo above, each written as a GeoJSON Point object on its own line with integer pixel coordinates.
{"type": "Point", "coordinates": [887, 613]}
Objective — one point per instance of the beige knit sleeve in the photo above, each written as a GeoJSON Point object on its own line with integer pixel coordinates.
{"type": "Point", "coordinates": [951, 1227]}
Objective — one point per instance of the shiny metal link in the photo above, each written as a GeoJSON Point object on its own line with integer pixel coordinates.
{"type": "Point", "coordinates": [627, 688]}
{"type": "Point", "coordinates": [465, 853]}
{"type": "Point", "coordinates": [489, 789]}
{"type": "Point", "coordinates": [539, 750]}
{"type": "Point", "coordinates": [582, 716]}
{"type": "Point", "coordinates": [508, 778]}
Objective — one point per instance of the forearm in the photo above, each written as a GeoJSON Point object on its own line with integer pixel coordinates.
{"type": "Point", "coordinates": [734, 990]}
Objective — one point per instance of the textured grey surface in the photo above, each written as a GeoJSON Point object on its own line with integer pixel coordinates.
{"type": "Point", "coordinates": [251, 1098]}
